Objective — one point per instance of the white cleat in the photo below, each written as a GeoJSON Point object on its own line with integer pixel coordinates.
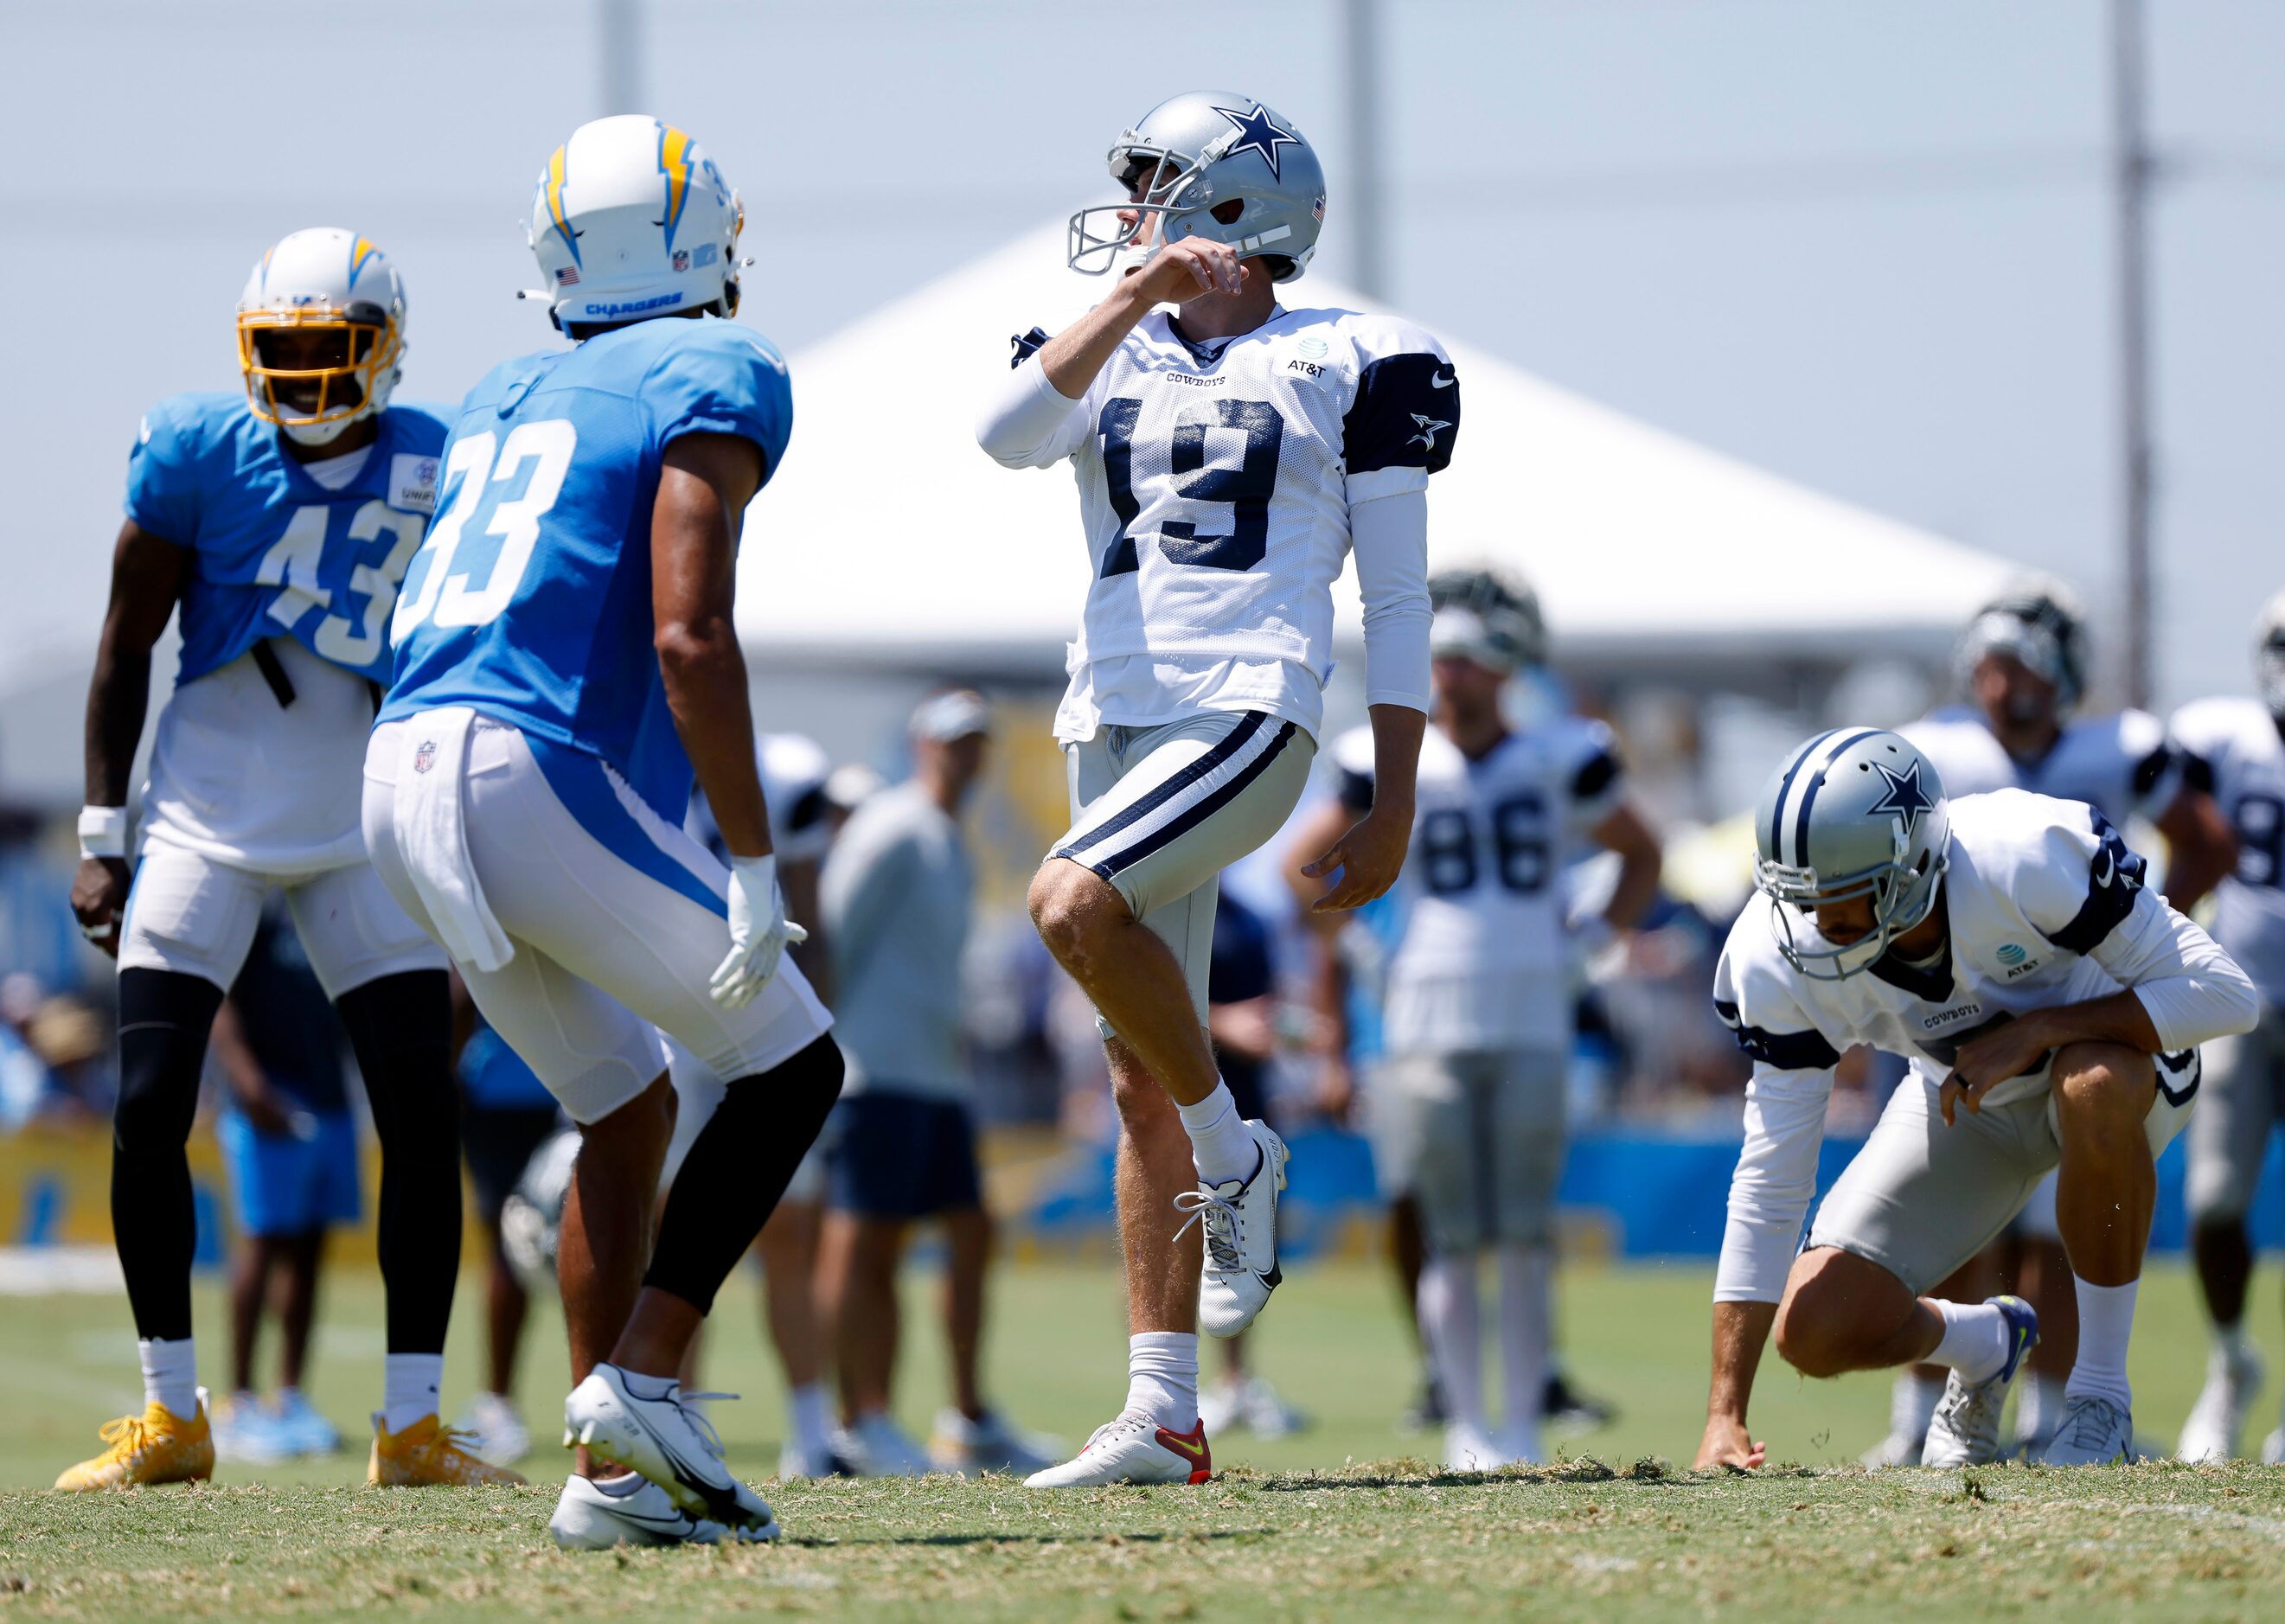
{"type": "Point", "coordinates": [811, 1460]}
{"type": "Point", "coordinates": [667, 1441]}
{"type": "Point", "coordinates": [1965, 1431]}
{"type": "Point", "coordinates": [2095, 1433]}
{"type": "Point", "coordinates": [1131, 1447]}
{"type": "Point", "coordinates": [495, 1431]}
{"type": "Point", "coordinates": [635, 1511]}
{"type": "Point", "coordinates": [2273, 1448]}
{"type": "Point", "coordinates": [1519, 1440]}
{"type": "Point", "coordinates": [1239, 1217]}
{"type": "Point", "coordinates": [2217, 1419]}
{"type": "Point", "coordinates": [993, 1444]}
{"type": "Point", "coordinates": [1468, 1449]}
{"type": "Point", "coordinates": [1250, 1405]}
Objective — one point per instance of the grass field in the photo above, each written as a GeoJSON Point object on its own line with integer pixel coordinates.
{"type": "Point", "coordinates": [1340, 1519]}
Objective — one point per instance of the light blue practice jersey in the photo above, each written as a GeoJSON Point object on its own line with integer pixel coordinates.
{"type": "Point", "coordinates": [277, 553]}
{"type": "Point", "coordinates": [531, 600]}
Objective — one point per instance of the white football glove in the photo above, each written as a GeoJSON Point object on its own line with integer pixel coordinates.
{"type": "Point", "coordinates": [760, 932]}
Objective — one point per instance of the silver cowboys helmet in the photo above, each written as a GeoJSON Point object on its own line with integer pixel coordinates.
{"type": "Point", "coordinates": [2040, 621]}
{"type": "Point", "coordinates": [1208, 164]}
{"type": "Point", "coordinates": [1857, 811]}
{"type": "Point", "coordinates": [2269, 655]}
{"type": "Point", "coordinates": [1486, 616]}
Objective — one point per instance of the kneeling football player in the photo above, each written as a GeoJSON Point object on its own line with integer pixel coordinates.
{"type": "Point", "coordinates": [2051, 1008]}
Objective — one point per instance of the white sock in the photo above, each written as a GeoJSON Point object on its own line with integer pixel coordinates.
{"type": "Point", "coordinates": [2106, 1324]}
{"type": "Point", "coordinates": [809, 1415]}
{"type": "Point", "coordinates": [1526, 1276]}
{"type": "Point", "coordinates": [1162, 1378]}
{"type": "Point", "coordinates": [1221, 1146]}
{"type": "Point", "coordinates": [170, 1376]}
{"type": "Point", "coordinates": [1974, 1343]}
{"type": "Point", "coordinates": [1912, 1403]}
{"type": "Point", "coordinates": [1448, 1315]}
{"type": "Point", "coordinates": [411, 1385]}
{"type": "Point", "coordinates": [2229, 1340]}
{"type": "Point", "coordinates": [2038, 1408]}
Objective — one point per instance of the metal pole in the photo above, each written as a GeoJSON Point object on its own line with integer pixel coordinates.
{"type": "Point", "coordinates": [619, 55]}
{"type": "Point", "coordinates": [2133, 172]}
{"type": "Point", "coordinates": [1363, 195]}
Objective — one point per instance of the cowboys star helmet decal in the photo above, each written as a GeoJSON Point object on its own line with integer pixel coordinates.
{"type": "Point", "coordinates": [1261, 135]}
{"type": "Point", "coordinates": [1903, 794]}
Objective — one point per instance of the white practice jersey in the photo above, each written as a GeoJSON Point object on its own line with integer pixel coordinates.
{"type": "Point", "coordinates": [2120, 765]}
{"type": "Point", "coordinates": [2043, 905]}
{"type": "Point", "coordinates": [793, 768]}
{"type": "Point", "coordinates": [1481, 958]}
{"type": "Point", "coordinates": [275, 789]}
{"type": "Point", "coordinates": [1215, 484]}
{"type": "Point", "coordinates": [2234, 750]}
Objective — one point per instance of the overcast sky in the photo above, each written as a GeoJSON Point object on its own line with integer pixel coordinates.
{"type": "Point", "coordinates": [1865, 245]}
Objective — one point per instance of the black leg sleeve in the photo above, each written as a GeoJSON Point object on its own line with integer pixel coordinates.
{"type": "Point", "coordinates": [164, 1018]}
{"type": "Point", "coordinates": [740, 1163]}
{"type": "Point", "coordinates": [401, 1027]}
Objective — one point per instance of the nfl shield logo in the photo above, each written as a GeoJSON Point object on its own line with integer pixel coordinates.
{"type": "Point", "coordinates": [424, 758]}
{"type": "Point", "coordinates": [682, 259]}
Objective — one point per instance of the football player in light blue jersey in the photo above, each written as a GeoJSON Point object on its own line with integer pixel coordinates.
{"type": "Point", "coordinates": [565, 661]}
{"type": "Point", "coordinates": [279, 520]}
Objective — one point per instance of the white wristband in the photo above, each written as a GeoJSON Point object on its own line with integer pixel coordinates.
{"type": "Point", "coordinates": [102, 831]}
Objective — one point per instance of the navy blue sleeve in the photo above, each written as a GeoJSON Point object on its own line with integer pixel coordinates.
{"type": "Point", "coordinates": [1027, 345]}
{"type": "Point", "coordinates": [721, 379]}
{"type": "Point", "coordinates": [1406, 414]}
{"type": "Point", "coordinates": [2112, 878]}
{"type": "Point", "coordinates": [1786, 1051]}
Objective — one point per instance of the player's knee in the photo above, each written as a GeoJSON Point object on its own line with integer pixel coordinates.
{"type": "Point", "coordinates": [1818, 1330]}
{"type": "Point", "coordinates": [2101, 1089]}
{"type": "Point", "coordinates": [1066, 907]}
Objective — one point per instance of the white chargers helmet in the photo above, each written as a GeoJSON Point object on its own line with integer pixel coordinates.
{"type": "Point", "coordinates": [631, 219]}
{"type": "Point", "coordinates": [1212, 164]}
{"type": "Point", "coordinates": [320, 332]}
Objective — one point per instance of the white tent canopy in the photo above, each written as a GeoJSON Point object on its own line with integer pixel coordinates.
{"type": "Point", "coordinates": [890, 540]}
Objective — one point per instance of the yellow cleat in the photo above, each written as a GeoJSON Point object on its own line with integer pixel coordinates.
{"type": "Point", "coordinates": [156, 1446]}
{"type": "Point", "coordinates": [426, 1453]}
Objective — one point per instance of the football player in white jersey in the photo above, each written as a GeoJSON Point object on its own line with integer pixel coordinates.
{"type": "Point", "coordinates": [2051, 1009]}
{"type": "Point", "coordinates": [793, 768]}
{"type": "Point", "coordinates": [1478, 1026]}
{"type": "Point", "coordinates": [272, 523]}
{"type": "Point", "coordinates": [1231, 454]}
{"type": "Point", "coordinates": [2235, 749]}
{"type": "Point", "coordinates": [2023, 662]}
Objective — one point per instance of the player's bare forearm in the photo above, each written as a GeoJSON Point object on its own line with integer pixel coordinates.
{"type": "Point", "coordinates": [1397, 731]}
{"type": "Point", "coordinates": [1314, 838]}
{"type": "Point", "coordinates": [1371, 855]}
{"type": "Point", "coordinates": [1640, 862]}
{"type": "Point", "coordinates": [148, 576]}
{"type": "Point", "coordinates": [814, 956]}
{"type": "Point", "coordinates": [2019, 1047]}
{"type": "Point", "coordinates": [1180, 271]}
{"type": "Point", "coordinates": [703, 487]}
{"type": "Point", "coordinates": [2201, 848]}
{"type": "Point", "coordinates": [1740, 1332]}
{"type": "Point", "coordinates": [1073, 357]}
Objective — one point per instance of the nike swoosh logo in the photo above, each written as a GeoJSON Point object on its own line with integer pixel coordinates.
{"type": "Point", "coordinates": [1182, 1446]}
{"type": "Point", "coordinates": [1434, 382]}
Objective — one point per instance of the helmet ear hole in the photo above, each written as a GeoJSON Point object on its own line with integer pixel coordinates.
{"type": "Point", "coordinates": [1229, 211]}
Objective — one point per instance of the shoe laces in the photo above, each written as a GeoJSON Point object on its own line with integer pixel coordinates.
{"type": "Point", "coordinates": [1125, 1422]}
{"type": "Point", "coordinates": [699, 1420]}
{"type": "Point", "coordinates": [2090, 1422]}
{"type": "Point", "coordinates": [128, 1436]}
{"type": "Point", "coordinates": [1221, 1222]}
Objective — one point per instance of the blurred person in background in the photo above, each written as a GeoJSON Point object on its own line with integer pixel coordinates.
{"type": "Point", "coordinates": [2024, 662]}
{"type": "Point", "coordinates": [28, 1090]}
{"type": "Point", "coordinates": [505, 1115]}
{"type": "Point", "coordinates": [2234, 749]}
{"type": "Point", "coordinates": [797, 781]}
{"type": "Point", "coordinates": [899, 891]}
{"type": "Point", "coordinates": [289, 1148]}
{"type": "Point", "coordinates": [1479, 1013]}
{"type": "Point", "coordinates": [278, 519]}
{"type": "Point", "coordinates": [1242, 1021]}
